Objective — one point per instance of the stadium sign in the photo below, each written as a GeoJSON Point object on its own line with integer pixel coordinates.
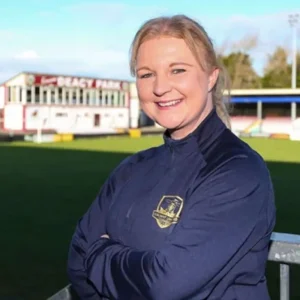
{"type": "Point", "coordinates": [80, 82]}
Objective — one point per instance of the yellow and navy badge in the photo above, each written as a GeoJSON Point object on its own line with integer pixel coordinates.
{"type": "Point", "coordinates": [168, 211]}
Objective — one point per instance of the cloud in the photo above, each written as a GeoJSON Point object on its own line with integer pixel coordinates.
{"type": "Point", "coordinates": [108, 10]}
{"type": "Point", "coordinates": [271, 31]}
{"type": "Point", "coordinates": [7, 35]}
{"type": "Point", "coordinates": [29, 54]}
{"type": "Point", "coordinates": [99, 43]}
{"type": "Point", "coordinates": [116, 22]}
{"type": "Point", "coordinates": [106, 65]}
{"type": "Point", "coordinates": [115, 12]}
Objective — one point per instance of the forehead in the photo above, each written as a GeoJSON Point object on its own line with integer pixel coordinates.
{"type": "Point", "coordinates": [165, 50]}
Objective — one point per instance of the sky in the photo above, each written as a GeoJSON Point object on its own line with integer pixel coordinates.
{"type": "Point", "coordinates": [92, 38]}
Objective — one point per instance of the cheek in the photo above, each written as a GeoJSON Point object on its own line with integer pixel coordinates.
{"type": "Point", "coordinates": [193, 87]}
{"type": "Point", "coordinates": [144, 92]}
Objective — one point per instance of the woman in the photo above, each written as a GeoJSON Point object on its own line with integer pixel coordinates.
{"type": "Point", "coordinates": [190, 219]}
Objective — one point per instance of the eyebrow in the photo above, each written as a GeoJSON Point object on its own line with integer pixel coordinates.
{"type": "Point", "coordinates": [143, 68]}
{"type": "Point", "coordinates": [180, 63]}
{"type": "Point", "coordinates": [171, 65]}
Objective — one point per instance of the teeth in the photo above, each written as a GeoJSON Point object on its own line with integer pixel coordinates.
{"type": "Point", "coordinates": [170, 103]}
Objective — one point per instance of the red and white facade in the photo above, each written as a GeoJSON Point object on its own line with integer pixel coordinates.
{"type": "Point", "coordinates": [67, 104]}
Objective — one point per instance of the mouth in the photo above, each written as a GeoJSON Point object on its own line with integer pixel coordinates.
{"type": "Point", "coordinates": [166, 104]}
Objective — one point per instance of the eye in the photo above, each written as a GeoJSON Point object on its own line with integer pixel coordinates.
{"type": "Point", "coordinates": [177, 71]}
{"type": "Point", "coordinates": [147, 75]}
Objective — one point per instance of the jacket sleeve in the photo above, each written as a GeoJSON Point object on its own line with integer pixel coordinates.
{"type": "Point", "coordinates": [215, 231]}
{"type": "Point", "coordinates": [89, 228]}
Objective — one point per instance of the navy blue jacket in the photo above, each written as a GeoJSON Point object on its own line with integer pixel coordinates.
{"type": "Point", "coordinates": [190, 219]}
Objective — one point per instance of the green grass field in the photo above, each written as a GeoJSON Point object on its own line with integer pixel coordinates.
{"type": "Point", "coordinates": [46, 188]}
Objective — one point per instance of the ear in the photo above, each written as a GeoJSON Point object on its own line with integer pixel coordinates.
{"type": "Point", "coordinates": [213, 77]}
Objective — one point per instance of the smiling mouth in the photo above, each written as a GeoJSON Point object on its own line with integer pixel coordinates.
{"type": "Point", "coordinates": [168, 103]}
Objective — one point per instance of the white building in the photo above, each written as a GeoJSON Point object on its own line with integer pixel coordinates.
{"type": "Point", "coordinates": [67, 104]}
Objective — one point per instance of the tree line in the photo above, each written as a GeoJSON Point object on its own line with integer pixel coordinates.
{"type": "Point", "coordinates": [277, 71]}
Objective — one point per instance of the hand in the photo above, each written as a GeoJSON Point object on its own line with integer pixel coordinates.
{"type": "Point", "coordinates": [105, 236]}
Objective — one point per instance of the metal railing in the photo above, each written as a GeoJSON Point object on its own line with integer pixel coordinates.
{"type": "Point", "coordinates": [284, 249]}
{"type": "Point", "coordinates": [64, 294]}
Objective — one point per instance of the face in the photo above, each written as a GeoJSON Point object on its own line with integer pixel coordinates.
{"type": "Point", "coordinates": [173, 89]}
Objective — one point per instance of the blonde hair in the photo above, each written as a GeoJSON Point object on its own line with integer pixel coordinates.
{"type": "Point", "coordinates": [195, 36]}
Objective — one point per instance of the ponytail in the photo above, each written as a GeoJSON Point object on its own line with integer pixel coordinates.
{"type": "Point", "coordinates": [220, 100]}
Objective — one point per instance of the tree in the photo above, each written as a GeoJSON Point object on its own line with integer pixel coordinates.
{"type": "Point", "coordinates": [240, 71]}
{"type": "Point", "coordinates": [277, 72]}
{"type": "Point", "coordinates": [239, 64]}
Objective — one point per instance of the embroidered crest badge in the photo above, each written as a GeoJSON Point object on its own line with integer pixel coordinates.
{"type": "Point", "coordinates": [168, 211]}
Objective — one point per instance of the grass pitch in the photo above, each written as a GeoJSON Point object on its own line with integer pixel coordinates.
{"type": "Point", "coordinates": [46, 188]}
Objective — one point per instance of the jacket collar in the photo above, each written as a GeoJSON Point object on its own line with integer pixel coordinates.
{"type": "Point", "coordinates": [200, 139]}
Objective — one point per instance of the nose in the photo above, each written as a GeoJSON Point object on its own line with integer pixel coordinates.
{"type": "Point", "coordinates": [161, 85]}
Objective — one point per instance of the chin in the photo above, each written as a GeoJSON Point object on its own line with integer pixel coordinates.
{"type": "Point", "coordinates": [168, 125]}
